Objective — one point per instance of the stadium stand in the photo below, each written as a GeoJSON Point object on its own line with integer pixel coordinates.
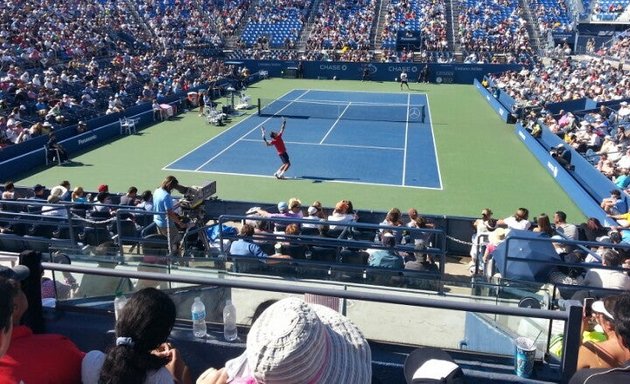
{"type": "Point", "coordinates": [76, 60]}
{"type": "Point", "coordinates": [487, 28]}
{"type": "Point", "coordinates": [275, 25]}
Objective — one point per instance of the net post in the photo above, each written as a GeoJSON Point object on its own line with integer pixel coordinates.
{"type": "Point", "coordinates": [258, 105]}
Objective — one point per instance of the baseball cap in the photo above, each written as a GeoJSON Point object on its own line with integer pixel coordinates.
{"type": "Point", "coordinates": [103, 188]}
{"type": "Point", "coordinates": [312, 210]}
{"type": "Point", "coordinates": [38, 187]}
{"type": "Point", "coordinates": [19, 272]}
{"type": "Point", "coordinates": [326, 346]}
{"type": "Point", "coordinates": [432, 365]}
{"type": "Point", "coordinates": [282, 206]}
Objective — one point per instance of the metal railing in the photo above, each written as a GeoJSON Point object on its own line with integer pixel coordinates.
{"type": "Point", "coordinates": [571, 317]}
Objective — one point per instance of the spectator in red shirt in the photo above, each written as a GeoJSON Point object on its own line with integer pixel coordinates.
{"type": "Point", "coordinates": [56, 358]}
{"type": "Point", "coordinates": [8, 297]}
{"type": "Point", "coordinates": [276, 141]}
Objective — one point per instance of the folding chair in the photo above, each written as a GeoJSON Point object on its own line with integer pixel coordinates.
{"type": "Point", "coordinates": [127, 126]}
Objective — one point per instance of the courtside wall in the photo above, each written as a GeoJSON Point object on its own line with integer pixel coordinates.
{"type": "Point", "coordinates": [438, 73]}
{"type": "Point", "coordinates": [577, 189]}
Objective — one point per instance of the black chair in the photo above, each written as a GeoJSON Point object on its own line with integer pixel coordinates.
{"type": "Point", "coordinates": [37, 243]}
{"type": "Point", "coordinates": [296, 251]}
{"type": "Point", "coordinates": [45, 228]}
{"type": "Point", "coordinates": [12, 243]}
{"type": "Point", "coordinates": [95, 236]}
{"type": "Point", "coordinates": [309, 232]}
{"type": "Point", "coordinates": [154, 245]}
{"type": "Point", "coordinates": [354, 257]}
{"type": "Point", "coordinates": [326, 254]}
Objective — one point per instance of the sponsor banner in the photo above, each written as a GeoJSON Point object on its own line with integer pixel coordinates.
{"type": "Point", "coordinates": [438, 73]}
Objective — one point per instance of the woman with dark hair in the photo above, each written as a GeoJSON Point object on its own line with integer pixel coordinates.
{"type": "Point", "coordinates": [543, 225]}
{"type": "Point", "coordinates": [592, 230]}
{"type": "Point", "coordinates": [141, 353]}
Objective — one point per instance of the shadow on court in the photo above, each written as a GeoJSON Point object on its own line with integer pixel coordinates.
{"type": "Point", "coordinates": [319, 179]}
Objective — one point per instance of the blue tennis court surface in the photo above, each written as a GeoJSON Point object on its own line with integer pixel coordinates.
{"type": "Point", "coordinates": [357, 137]}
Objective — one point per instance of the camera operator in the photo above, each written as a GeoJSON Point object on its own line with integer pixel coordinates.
{"type": "Point", "coordinates": [562, 156]}
{"type": "Point", "coordinates": [165, 218]}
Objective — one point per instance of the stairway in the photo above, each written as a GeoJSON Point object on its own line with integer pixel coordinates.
{"type": "Point", "coordinates": [380, 25]}
{"type": "Point", "coordinates": [230, 43]}
{"type": "Point", "coordinates": [308, 27]}
{"type": "Point", "coordinates": [532, 27]}
{"type": "Point", "coordinates": [452, 13]}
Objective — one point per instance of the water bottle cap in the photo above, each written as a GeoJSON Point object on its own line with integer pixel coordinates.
{"type": "Point", "coordinates": [228, 302]}
{"type": "Point", "coordinates": [197, 298]}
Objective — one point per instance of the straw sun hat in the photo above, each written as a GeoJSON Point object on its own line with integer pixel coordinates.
{"type": "Point", "coordinates": [295, 342]}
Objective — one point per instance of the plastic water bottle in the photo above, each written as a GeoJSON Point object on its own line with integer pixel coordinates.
{"type": "Point", "coordinates": [119, 304]}
{"type": "Point", "coordinates": [229, 321]}
{"type": "Point", "coordinates": [198, 312]}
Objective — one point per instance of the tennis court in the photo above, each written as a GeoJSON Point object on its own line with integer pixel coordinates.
{"type": "Point", "coordinates": [340, 136]}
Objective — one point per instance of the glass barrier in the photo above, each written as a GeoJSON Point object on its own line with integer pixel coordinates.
{"type": "Point", "coordinates": [387, 322]}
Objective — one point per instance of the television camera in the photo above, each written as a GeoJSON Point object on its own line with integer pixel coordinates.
{"type": "Point", "coordinates": [195, 196]}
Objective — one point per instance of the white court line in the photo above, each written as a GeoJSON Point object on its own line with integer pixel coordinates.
{"type": "Point", "coordinates": [404, 165]}
{"type": "Point", "coordinates": [304, 179]}
{"type": "Point", "coordinates": [339, 103]}
{"type": "Point", "coordinates": [166, 167]}
{"type": "Point", "coordinates": [394, 92]}
{"type": "Point", "coordinates": [435, 152]}
{"type": "Point", "coordinates": [241, 138]}
{"type": "Point", "coordinates": [338, 145]}
{"type": "Point", "coordinates": [335, 123]}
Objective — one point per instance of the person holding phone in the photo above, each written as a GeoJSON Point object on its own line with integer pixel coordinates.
{"type": "Point", "coordinates": [620, 316]}
{"type": "Point", "coordinates": [601, 350]}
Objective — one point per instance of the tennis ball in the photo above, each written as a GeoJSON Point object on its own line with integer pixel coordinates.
{"type": "Point", "coordinates": [396, 79]}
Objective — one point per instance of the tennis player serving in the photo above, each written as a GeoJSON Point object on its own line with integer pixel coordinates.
{"type": "Point", "coordinates": [276, 141]}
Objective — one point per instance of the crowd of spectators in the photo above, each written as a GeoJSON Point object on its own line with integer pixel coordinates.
{"type": "Point", "coordinates": [551, 16]}
{"type": "Point", "coordinates": [275, 24]}
{"type": "Point", "coordinates": [199, 24]}
{"type": "Point", "coordinates": [487, 28]}
{"type": "Point", "coordinates": [608, 10]}
{"type": "Point", "coordinates": [563, 80]}
{"type": "Point", "coordinates": [342, 24]}
{"type": "Point", "coordinates": [428, 17]}
{"type": "Point", "coordinates": [618, 49]}
{"type": "Point", "coordinates": [61, 95]}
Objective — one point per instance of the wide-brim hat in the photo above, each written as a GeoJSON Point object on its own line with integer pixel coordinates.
{"type": "Point", "coordinates": [432, 365]}
{"type": "Point", "coordinates": [293, 342]}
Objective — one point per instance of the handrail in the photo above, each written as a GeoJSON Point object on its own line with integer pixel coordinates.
{"type": "Point", "coordinates": [555, 262]}
{"type": "Point", "coordinates": [441, 248]}
{"type": "Point", "coordinates": [572, 317]}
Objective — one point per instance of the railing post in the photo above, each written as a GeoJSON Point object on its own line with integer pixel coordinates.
{"type": "Point", "coordinates": [572, 341]}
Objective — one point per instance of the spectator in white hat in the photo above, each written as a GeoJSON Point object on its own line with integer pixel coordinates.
{"type": "Point", "coordinates": [293, 342]}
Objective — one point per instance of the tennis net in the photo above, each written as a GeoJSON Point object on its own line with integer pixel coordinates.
{"type": "Point", "coordinates": [341, 110]}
